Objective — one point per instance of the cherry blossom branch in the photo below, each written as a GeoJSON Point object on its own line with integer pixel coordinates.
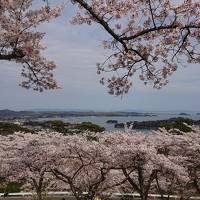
{"type": "Point", "coordinates": [150, 7]}
{"type": "Point", "coordinates": [159, 28]}
{"type": "Point", "coordinates": [16, 54]}
{"type": "Point", "coordinates": [183, 41]}
{"type": "Point", "coordinates": [102, 22]}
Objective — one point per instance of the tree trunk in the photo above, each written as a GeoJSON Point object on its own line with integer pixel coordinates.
{"type": "Point", "coordinates": [159, 188]}
{"type": "Point", "coordinates": [196, 185]}
{"type": "Point", "coordinates": [90, 196]}
{"type": "Point", "coordinates": [39, 194]}
{"type": "Point", "coordinates": [143, 195]}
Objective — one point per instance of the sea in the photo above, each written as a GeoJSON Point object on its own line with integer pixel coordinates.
{"type": "Point", "coordinates": [102, 120]}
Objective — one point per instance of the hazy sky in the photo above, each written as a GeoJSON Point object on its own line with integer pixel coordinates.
{"type": "Point", "coordinates": [76, 49]}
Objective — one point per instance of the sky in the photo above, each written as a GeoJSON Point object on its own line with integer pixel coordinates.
{"type": "Point", "coordinates": [76, 50]}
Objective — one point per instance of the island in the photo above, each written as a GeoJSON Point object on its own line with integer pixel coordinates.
{"type": "Point", "coordinates": [112, 121]}
{"type": "Point", "coordinates": [184, 114]}
{"type": "Point", "coordinates": [178, 123]}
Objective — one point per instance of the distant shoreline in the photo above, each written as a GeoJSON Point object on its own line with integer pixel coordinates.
{"type": "Point", "coordinates": [110, 120]}
{"type": "Point", "coordinates": [9, 114]}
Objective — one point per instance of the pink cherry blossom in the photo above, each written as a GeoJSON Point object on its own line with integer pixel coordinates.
{"type": "Point", "coordinates": [21, 42]}
{"type": "Point", "coordinates": [90, 165]}
{"type": "Point", "coordinates": [153, 37]}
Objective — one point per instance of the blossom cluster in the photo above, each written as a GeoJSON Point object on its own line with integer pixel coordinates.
{"type": "Point", "coordinates": [160, 162]}
{"type": "Point", "coordinates": [153, 37]}
{"type": "Point", "coordinates": [21, 42]}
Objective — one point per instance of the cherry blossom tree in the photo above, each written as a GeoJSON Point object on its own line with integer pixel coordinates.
{"type": "Point", "coordinates": [89, 165]}
{"type": "Point", "coordinates": [21, 42]}
{"type": "Point", "coordinates": [153, 37]}
{"type": "Point", "coordinates": [26, 157]}
{"type": "Point", "coordinates": [193, 161]}
{"type": "Point", "coordinates": [184, 149]}
{"type": "Point", "coordinates": [141, 162]}
{"type": "Point", "coordinates": [3, 150]}
{"type": "Point", "coordinates": [80, 163]}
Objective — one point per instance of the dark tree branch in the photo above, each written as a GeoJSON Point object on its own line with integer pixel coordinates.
{"type": "Point", "coordinates": [34, 74]}
{"type": "Point", "coordinates": [16, 54]}
{"type": "Point", "coordinates": [183, 41]}
{"type": "Point", "coordinates": [129, 179]}
{"type": "Point", "coordinates": [171, 26]}
{"type": "Point", "coordinates": [150, 7]}
{"type": "Point", "coordinates": [101, 21]}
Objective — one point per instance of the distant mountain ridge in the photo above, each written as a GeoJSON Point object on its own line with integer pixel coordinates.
{"type": "Point", "coordinates": [10, 114]}
{"type": "Point", "coordinates": [7, 114]}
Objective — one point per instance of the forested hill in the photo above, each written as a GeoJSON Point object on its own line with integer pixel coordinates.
{"type": "Point", "coordinates": [9, 114]}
